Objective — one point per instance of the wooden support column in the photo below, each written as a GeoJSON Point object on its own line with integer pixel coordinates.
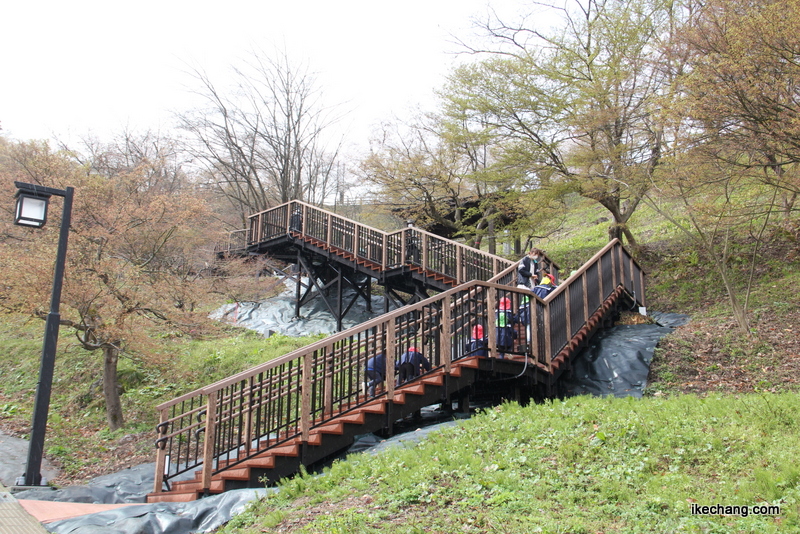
{"type": "Point", "coordinates": [305, 397]}
{"type": "Point", "coordinates": [446, 334]}
{"type": "Point", "coordinates": [460, 265]}
{"type": "Point", "coordinates": [327, 408]}
{"type": "Point", "coordinates": [616, 276]}
{"type": "Point", "coordinates": [208, 440]}
{"type": "Point", "coordinates": [247, 409]}
{"type": "Point", "coordinates": [425, 255]}
{"type": "Point", "coordinates": [391, 357]}
{"type": "Point", "coordinates": [641, 286]}
{"type": "Point", "coordinates": [535, 328]}
{"type": "Point", "coordinates": [384, 252]}
{"type": "Point", "coordinates": [491, 312]}
{"type": "Point", "coordinates": [547, 342]}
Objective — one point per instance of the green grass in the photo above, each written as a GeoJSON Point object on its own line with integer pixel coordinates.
{"type": "Point", "coordinates": [584, 465]}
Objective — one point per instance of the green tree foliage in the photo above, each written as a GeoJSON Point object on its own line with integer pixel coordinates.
{"type": "Point", "coordinates": [740, 100]}
{"type": "Point", "coordinates": [573, 107]}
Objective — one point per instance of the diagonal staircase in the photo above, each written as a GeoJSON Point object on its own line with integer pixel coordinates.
{"type": "Point", "coordinates": [273, 463]}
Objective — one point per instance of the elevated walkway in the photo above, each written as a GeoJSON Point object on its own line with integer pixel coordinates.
{"type": "Point", "coordinates": [298, 410]}
{"type": "Point", "coordinates": [337, 253]}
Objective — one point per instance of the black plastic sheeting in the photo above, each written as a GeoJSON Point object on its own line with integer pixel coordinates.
{"type": "Point", "coordinates": [203, 515]}
{"type": "Point", "coordinates": [276, 315]}
{"type": "Point", "coordinates": [617, 360]}
{"type": "Point", "coordinates": [128, 486]}
{"type": "Point", "coordinates": [616, 363]}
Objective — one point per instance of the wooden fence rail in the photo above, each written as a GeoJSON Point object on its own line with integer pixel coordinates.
{"type": "Point", "coordinates": [390, 250]}
{"type": "Point", "coordinates": [236, 418]}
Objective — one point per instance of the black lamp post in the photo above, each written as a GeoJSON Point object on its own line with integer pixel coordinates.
{"type": "Point", "coordinates": [32, 202]}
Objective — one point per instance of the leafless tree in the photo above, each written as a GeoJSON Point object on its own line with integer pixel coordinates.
{"type": "Point", "coordinates": [262, 141]}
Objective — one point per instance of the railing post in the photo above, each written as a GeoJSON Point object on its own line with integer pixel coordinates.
{"type": "Point", "coordinates": [385, 251]}
{"type": "Point", "coordinates": [329, 229]}
{"type": "Point", "coordinates": [247, 408]}
{"type": "Point", "coordinates": [208, 439]}
{"type": "Point", "coordinates": [161, 452]}
{"type": "Point", "coordinates": [600, 279]}
{"type": "Point", "coordinates": [491, 307]}
{"type": "Point", "coordinates": [460, 264]}
{"type": "Point", "coordinates": [547, 346]}
{"type": "Point", "coordinates": [585, 296]}
{"type": "Point", "coordinates": [640, 296]}
{"type": "Point", "coordinates": [425, 255]}
{"type": "Point", "coordinates": [446, 334]}
{"type": "Point", "coordinates": [305, 398]}
{"type": "Point", "coordinates": [356, 236]}
{"type": "Point", "coordinates": [535, 328]}
{"type": "Point", "coordinates": [615, 276]}
{"type": "Point", "coordinates": [390, 358]}
{"type": "Point", "coordinates": [327, 408]}
{"type": "Point", "coordinates": [568, 309]}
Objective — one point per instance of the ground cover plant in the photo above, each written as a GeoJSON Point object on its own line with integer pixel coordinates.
{"type": "Point", "coordinates": [582, 465]}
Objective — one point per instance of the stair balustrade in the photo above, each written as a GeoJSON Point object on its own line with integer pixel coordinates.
{"type": "Point", "coordinates": [219, 426]}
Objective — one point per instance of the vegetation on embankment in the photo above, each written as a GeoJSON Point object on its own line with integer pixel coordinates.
{"type": "Point", "coordinates": [583, 465]}
{"type": "Point", "coordinates": [78, 439]}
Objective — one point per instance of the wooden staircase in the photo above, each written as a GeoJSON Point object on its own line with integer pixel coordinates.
{"type": "Point", "coordinates": [306, 407]}
{"type": "Point", "coordinates": [327, 439]}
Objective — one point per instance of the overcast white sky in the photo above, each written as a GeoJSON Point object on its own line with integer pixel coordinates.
{"type": "Point", "coordinates": [72, 66]}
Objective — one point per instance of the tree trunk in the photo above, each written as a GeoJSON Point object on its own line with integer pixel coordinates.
{"type": "Point", "coordinates": [111, 387]}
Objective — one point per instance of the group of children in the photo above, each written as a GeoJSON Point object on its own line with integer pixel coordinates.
{"type": "Point", "coordinates": [533, 274]}
{"type": "Point", "coordinates": [410, 365]}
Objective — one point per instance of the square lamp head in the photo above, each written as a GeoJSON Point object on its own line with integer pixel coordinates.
{"type": "Point", "coordinates": [31, 209]}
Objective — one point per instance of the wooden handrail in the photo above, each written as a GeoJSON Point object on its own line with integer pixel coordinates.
{"type": "Point", "coordinates": [388, 260]}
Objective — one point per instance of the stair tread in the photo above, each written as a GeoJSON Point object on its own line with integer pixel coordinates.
{"type": "Point", "coordinates": [172, 496]}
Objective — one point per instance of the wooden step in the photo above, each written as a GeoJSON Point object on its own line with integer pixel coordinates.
{"type": "Point", "coordinates": [239, 473]}
{"type": "Point", "coordinates": [217, 486]}
{"type": "Point", "coordinates": [335, 427]}
{"type": "Point", "coordinates": [472, 362]}
{"type": "Point", "coordinates": [261, 462]}
{"type": "Point", "coordinates": [434, 380]}
{"type": "Point", "coordinates": [172, 496]}
{"type": "Point", "coordinates": [285, 450]}
{"type": "Point", "coordinates": [413, 389]}
{"type": "Point", "coordinates": [356, 418]}
{"type": "Point", "coordinates": [378, 407]}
